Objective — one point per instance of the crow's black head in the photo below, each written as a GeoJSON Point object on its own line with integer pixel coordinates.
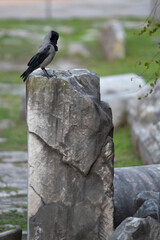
{"type": "Point", "coordinates": [54, 37]}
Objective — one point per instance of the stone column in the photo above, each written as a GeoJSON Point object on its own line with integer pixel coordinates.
{"type": "Point", "coordinates": [70, 149]}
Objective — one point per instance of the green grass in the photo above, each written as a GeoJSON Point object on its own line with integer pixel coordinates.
{"type": "Point", "coordinates": [10, 76]}
{"type": "Point", "coordinates": [16, 138]}
{"type": "Point", "coordinates": [15, 218]}
{"type": "Point", "coordinates": [124, 153]}
{"type": "Point", "coordinates": [10, 107]}
{"type": "Point", "coordinates": [16, 134]}
{"type": "Point", "coordinates": [8, 189]}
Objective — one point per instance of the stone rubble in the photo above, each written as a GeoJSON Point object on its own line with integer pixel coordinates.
{"type": "Point", "coordinates": [76, 48]}
{"type": "Point", "coordinates": [112, 39]}
{"type": "Point", "coordinates": [145, 224]}
{"type": "Point", "coordinates": [143, 117]}
{"type": "Point", "coordinates": [137, 229]}
{"type": "Point", "coordinates": [117, 90]}
{"type": "Point", "coordinates": [15, 234]}
{"type": "Point", "coordinates": [129, 182]}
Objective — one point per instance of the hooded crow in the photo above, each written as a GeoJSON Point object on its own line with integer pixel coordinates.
{"type": "Point", "coordinates": [44, 56]}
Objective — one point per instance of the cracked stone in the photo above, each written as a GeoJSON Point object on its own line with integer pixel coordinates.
{"type": "Point", "coordinates": [70, 157]}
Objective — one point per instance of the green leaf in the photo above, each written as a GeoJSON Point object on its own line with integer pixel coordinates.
{"type": "Point", "coordinates": [146, 64]}
{"type": "Point", "coordinates": [155, 81]}
{"type": "Point", "coordinates": [154, 30]}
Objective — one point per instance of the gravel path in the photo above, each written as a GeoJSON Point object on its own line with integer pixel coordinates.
{"type": "Point", "coordinates": [13, 181]}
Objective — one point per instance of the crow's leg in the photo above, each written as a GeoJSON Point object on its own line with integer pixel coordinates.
{"type": "Point", "coordinates": [45, 72]}
{"type": "Point", "coordinates": [54, 74]}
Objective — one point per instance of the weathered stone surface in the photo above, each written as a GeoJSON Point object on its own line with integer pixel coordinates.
{"type": "Point", "coordinates": [149, 208]}
{"type": "Point", "coordinates": [137, 229]}
{"type": "Point", "coordinates": [76, 48]}
{"type": "Point", "coordinates": [146, 195]}
{"type": "Point", "coordinates": [128, 183]}
{"type": "Point", "coordinates": [70, 157]}
{"type": "Point", "coordinates": [143, 117]}
{"type": "Point", "coordinates": [12, 235]}
{"type": "Point", "coordinates": [113, 40]}
{"type": "Point", "coordinates": [147, 203]}
{"type": "Point", "coordinates": [117, 90]}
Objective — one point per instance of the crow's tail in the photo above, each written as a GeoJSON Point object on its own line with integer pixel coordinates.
{"type": "Point", "coordinates": [25, 75]}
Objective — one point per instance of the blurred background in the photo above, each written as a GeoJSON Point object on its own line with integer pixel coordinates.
{"type": "Point", "coordinates": [105, 36]}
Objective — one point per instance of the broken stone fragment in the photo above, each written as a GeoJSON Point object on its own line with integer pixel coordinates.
{"type": "Point", "coordinates": [137, 229]}
{"type": "Point", "coordinates": [70, 157]}
{"type": "Point", "coordinates": [132, 187]}
{"type": "Point", "coordinates": [112, 40]}
{"type": "Point", "coordinates": [147, 203]}
{"type": "Point", "coordinates": [15, 234]}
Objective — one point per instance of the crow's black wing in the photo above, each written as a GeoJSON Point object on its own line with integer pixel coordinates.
{"type": "Point", "coordinates": [37, 59]}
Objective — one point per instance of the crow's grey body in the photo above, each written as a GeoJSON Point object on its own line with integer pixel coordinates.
{"type": "Point", "coordinates": [44, 56]}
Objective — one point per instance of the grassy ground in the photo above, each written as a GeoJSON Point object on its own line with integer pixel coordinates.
{"type": "Point", "coordinates": [14, 218]}
{"type": "Point", "coordinates": [124, 153]}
